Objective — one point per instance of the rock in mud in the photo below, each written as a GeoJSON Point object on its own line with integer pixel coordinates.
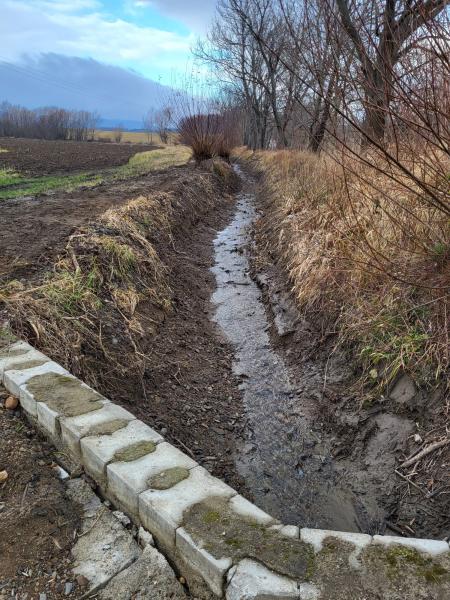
{"type": "Point", "coordinates": [404, 390]}
{"type": "Point", "coordinates": [149, 577]}
{"type": "Point", "coordinates": [11, 402]}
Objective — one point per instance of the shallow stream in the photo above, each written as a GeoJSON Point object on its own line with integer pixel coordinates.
{"type": "Point", "coordinates": [286, 466]}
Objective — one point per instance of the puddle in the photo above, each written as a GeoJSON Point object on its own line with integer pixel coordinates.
{"type": "Point", "coordinates": [284, 463]}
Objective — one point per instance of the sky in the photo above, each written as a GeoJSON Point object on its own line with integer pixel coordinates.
{"type": "Point", "coordinates": [108, 55]}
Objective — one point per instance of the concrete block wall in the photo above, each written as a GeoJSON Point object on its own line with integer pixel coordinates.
{"type": "Point", "coordinates": [220, 542]}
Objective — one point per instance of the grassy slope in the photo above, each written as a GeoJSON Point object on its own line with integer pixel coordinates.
{"type": "Point", "coordinates": [14, 185]}
{"type": "Point", "coordinates": [372, 267]}
{"type": "Point", "coordinates": [111, 281]}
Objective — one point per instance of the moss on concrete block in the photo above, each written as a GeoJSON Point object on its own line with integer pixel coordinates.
{"type": "Point", "coordinates": [390, 572]}
{"type": "Point", "coordinates": [7, 352]}
{"type": "Point", "coordinates": [224, 533]}
{"type": "Point", "coordinates": [168, 478]}
{"type": "Point", "coordinates": [134, 451]}
{"type": "Point", "coordinates": [27, 364]}
{"type": "Point", "coordinates": [64, 395]}
{"type": "Point", "coordinates": [108, 428]}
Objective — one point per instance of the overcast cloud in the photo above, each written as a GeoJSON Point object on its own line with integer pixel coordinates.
{"type": "Point", "coordinates": [196, 14]}
{"type": "Point", "coordinates": [79, 83]}
{"type": "Point", "coordinates": [97, 54]}
{"type": "Point", "coordinates": [69, 28]}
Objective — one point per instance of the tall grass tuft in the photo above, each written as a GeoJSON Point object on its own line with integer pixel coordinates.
{"type": "Point", "coordinates": [366, 258]}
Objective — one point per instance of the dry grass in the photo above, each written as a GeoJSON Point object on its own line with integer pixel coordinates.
{"type": "Point", "coordinates": [366, 259]}
{"type": "Point", "coordinates": [136, 137]}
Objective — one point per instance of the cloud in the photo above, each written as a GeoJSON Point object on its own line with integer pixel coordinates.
{"type": "Point", "coordinates": [79, 28]}
{"type": "Point", "coordinates": [72, 82]}
{"type": "Point", "coordinates": [196, 14]}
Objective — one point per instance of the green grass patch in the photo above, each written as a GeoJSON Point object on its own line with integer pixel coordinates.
{"type": "Point", "coordinates": [9, 177]}
{"type": "Point", "coordinates": [395, 341]}
{"type": "Point", "coordinates": [72, 292]}
{"type": "Point", "coordinates": [153, 160]}
{"type": "Point", "coordinates": [15, 185]}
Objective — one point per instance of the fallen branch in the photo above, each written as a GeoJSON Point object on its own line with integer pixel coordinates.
{"type": "Point", "coordinates": [424, 452]}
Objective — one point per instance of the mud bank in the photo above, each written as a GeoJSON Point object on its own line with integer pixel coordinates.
{"type": "Point", "coordinates": [180, 379]}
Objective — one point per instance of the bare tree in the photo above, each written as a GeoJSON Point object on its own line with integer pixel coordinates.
{"type": "Point", "coordinates": [47, 123]}
{"type": "Point", "coordinates": [163, 121]}
{"type": "Point", "coordinates": [149, 123]}
{"type": "Point", "coordinates": [118, 133]}
{"type": "Point", "coordinates": [380, 35]}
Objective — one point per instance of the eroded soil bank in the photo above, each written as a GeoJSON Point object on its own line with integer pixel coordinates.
{"type": "Point", "coordinates": [186, 388]}
{"type": "Point", "coordinates": [309, 439]}
{"type": "Point", "coordinates": [233, 375]}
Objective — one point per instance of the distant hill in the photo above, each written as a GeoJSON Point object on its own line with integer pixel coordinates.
{"type": "Point", "coordinates": [128, 124]}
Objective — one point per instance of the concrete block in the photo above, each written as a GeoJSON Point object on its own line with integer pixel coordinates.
{"type": "Point", "coordinates": [17, 353]}
{"type": "Point", "coordinates": [316, 537]}
{"type": "Point", "coordinates": [107, 420]}
{"type": "Point", "coordinates": [104, 547]}
{"type": "Point", "coordinates": [149, 578]}
{"type": "Point", "coordinates": [211, 569]}
{"type": "Point", "coordinates": [161, 511]}
{"type": "Point", "coordinates": [291, 531]}
{"type": "Point", "coordinates": [164, 468]}
{"type": "Point", "coordinates": [59, 395]}
{"type": "Point", "coordinates": [249, 511]}
{"type": "Point", "coordinates": [431, 547]}
{"type": "Point", "coordinates": [126, 444]}
{"type": "Point", "coordinates": [48, 420]}
{"type": "Point", "coordinates": [15, 379]}
{"type": "Point", "coordinates": [250, 580]}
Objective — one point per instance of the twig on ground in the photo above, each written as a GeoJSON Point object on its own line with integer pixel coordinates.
{"type": "Point", "coordinates": [411, 482]}
{"type": "Point", "coordinates": [424, 452]}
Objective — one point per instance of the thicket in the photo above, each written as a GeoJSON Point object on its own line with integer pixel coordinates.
{"type": "Point", "coordinates": [48, 123]}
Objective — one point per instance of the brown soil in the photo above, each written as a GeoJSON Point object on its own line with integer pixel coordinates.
{"type": "Point", "coordinates": [188, 391]}
{"type": "Point", "coordinates": [42, 157]}
{"type": "Point", "coordinates": [30, 244]}
{"type": "Point", "coordinates": [37, 521]}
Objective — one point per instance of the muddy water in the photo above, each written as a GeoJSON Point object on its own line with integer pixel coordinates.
{"type": "Point", "coordinates": [285, 464]}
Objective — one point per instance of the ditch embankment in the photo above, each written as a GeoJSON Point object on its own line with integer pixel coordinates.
{"type": "Point", "coordinates": [169, 295]}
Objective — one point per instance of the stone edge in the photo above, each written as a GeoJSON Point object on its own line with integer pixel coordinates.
{"type": "Point", "coordinates": [315, 537]}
